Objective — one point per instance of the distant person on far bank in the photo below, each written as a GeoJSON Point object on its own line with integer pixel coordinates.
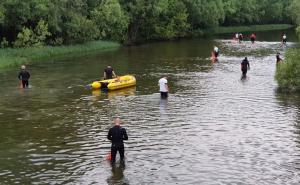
{"type": "Point", "coordinates": [109, 73]}
{"type": "Point", "coordinates": [245, 66]}
{"type": "Point", "coordinates": [117, 135]}
{"type": "Point", "coordinates": [284, 39]}
{"type": "Point", "coordinates": [163, 87]}
{"type": "Point", "coordinates": [241, 38]}
{"type": "Point", "coordinates": [24, 76]}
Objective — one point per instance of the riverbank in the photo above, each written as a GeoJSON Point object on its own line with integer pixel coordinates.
{"type": "Point", "coordinates": [251, 28]}
{"type": "Point", "coordinates": [11, 57]}
{"type": "Point", "coordinates": [287, 73]}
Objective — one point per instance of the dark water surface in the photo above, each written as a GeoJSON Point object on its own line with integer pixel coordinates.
{"type": "Point", "coordinates": [214, 129]}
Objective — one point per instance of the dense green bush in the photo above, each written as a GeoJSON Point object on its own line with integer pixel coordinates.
{"type": "Point", "coordinates": [77, 21]}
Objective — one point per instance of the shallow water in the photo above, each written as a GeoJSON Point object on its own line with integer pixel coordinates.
{"type": "Point", "coordinates": [214, 129]}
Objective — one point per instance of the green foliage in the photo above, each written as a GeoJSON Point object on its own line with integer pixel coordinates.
{"type": "Point", "coordinates": [77, 21]}
{"type": "Point", "coordinates": [80, 29]}
{"type": "Point", "coordinates": [33, 38]}
{"type": "Point", "coordinates": [4, 43]}
{"type": "Point", "coordinates": [288, 73]}
{"type": "Point", "coordinates": [110, 20]}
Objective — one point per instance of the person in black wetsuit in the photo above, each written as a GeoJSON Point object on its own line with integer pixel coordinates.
{"type": "Point", "coordinates": [116, 135]}
{"type": "Point", "coordinates": [24, 76]}
{"type": "Point", "coordinates": [109, 73]}
{"type": "Point", "coordinates": [278, 58]}
{"type": "Point", "coordinates": [245, 66]}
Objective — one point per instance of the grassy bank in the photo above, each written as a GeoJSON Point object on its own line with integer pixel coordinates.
{"type": "Point", "coordinates": [251, 28]}
{"type": "Point", "coordinates": [288, 73]}
{"type": "Point", "coordinates": [11, 57]}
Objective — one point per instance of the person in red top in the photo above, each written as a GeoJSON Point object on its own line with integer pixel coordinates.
{"type": "Point", "coordinates": [253, 38]}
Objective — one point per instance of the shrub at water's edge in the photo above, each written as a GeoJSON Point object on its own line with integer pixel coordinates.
{"type": "Point", "coordinates": [288, 73]}
{"type": "Point", "coordinates": [12, 57]}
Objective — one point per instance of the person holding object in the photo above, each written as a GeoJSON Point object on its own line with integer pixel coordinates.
{"type": "Point", "coordinates": [109, 73]}
{"type": "Point", "coordinates": [24, 76]}
{"type": "Point", "coordinates": [163, 87]}
{"type": "Point", "coordinates": [117, 135]}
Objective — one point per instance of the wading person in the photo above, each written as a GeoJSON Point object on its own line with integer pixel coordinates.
{"type": "Point", "coordinates": [241, 37]}
{"type": "Point", "coordinates": [117, 135]}
{"type": "Point", "coordinates": [163, 87]}
{"type": "Point", "coordinates": [284, 39]}
{"type": "Point", "coordinates": [253, 38]}
{"type": "Point", "coordinates": [245, 66]}
{"type": "Point", "coordinates": [216, 52]}
{"type": "Point", "coordinates": [24, 77]}
{"type": "Point", "coordinates": [109, 73]}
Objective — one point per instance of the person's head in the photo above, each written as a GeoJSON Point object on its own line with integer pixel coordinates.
{"type": "Point", "coordinates": [165, 77]}
{"type": "Point", "coordinates": [246, 58]}
{"type": "Point", "coordinates": [278, 53]}
{"type": "Point", "coordinates": [109, 66]}
{"type": "Point", "coordinates": [117, 121]}
{"type": "Point", "coordinates": [23, 67]}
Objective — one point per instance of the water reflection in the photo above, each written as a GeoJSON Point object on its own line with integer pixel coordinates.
{"type": "Point", "coordinates": [117, 174]}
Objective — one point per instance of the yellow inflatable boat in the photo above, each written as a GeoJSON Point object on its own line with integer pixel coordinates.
{"type": "Point", "coordinates": [116, 83]}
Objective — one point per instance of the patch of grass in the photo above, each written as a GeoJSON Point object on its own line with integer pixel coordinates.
{"type": "Point", "coordinates": [11, 57]}
{"type": "Point", "coordinates": [251, 28]}
{"type": "Point", "coordinates": [288, 73]}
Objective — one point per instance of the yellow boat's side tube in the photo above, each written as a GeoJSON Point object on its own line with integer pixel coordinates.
{"type": "Point", "coordinates": [116, 83]}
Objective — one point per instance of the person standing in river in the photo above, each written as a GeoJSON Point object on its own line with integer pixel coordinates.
{"type": "Point", "coordinates": [163, 87]}
{"type": "Point", "coordinates": [109, 73]}
{"type": "Point", "coordinates": [117, 135]}
{"type": "Point", "coordinates": [284, 39]}
{"type": "Point", "coordinates": [245, 66]}
{"type": "Point", "coordinates": [24, 76]}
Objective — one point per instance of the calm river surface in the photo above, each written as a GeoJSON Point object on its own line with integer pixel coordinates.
{"type": "Point", "coordinates": [214, 129]}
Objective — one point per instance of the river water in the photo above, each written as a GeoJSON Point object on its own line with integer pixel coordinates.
{"type": "Point", "coordinates": [214, 129]}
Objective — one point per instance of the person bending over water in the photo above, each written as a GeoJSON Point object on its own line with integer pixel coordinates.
{"type": "Point", "coordinates": [245, 66]}
{"type": "Point", "coordinates": [117, 135]}
{"type": "Point", "coordinates": [163, 87]}
{"type": "Point", "coordinates": [278, 58]}
{"type": "Point", "coordinates": [24, 76]}
{"type": "Point", "coordinates": [109, 73]}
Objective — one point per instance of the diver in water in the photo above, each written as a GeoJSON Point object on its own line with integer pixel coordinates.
{"type": "Point", "coordinates": [24, 76]}
{"type": "Point", "coordinates": [109, 73]}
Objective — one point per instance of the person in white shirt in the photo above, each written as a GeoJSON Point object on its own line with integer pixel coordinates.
{"type": "Point", "coordinates": [163, 87]}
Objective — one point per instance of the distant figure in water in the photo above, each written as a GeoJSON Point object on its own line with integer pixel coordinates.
{"type": "Point", "coordinates": [284, 39]}
{"type": "Point", "coordinates": [253, 37]}
{"type": "Point", "coordinates": [245, 66]}
{"type": "Point", "coordinates": [236, 37]}
{"type": "Point", "coordinates": [241, 37]}
{"type": "Point", "coordinates": [278, 58]}
{"type": "Point", "coordinates": [163, 87]}
{"type": "Point", "coordinates": [117, 135]}
{"type": "Point", "coordinates": [24, 76]}
{"type": "Point", "coordinates": [109, 73]}
{"type": "Point", "coordinates": [216, 52]}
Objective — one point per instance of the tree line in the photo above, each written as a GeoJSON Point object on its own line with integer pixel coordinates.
{"type": "Point", "coordinates": [57, 22]}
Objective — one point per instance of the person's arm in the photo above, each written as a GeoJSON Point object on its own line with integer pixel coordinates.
{"type": "Point", "coordinates": [114, 74]}
{"type": "Point", "coordinates": [19, 76]}
{"type": "Point", "coordinates": [125, 136]}
{"type": "Point", "coordinates": [248, 66]}
{"type": "Point", "coordinates": [109, 135]}
{"type": "Point", "coordinates": [104, 75]}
